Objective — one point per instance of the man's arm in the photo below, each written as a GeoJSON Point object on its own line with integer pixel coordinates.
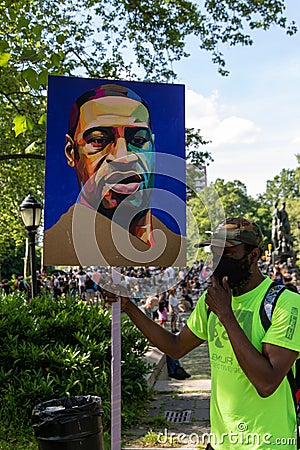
{"type": "Point", "coordinates": [174, 345]}
{"type": "Point", "coordinates": [265, 370]}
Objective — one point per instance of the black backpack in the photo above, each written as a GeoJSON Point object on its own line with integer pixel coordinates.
{"type": "Point", "coordinates": [266, 311]}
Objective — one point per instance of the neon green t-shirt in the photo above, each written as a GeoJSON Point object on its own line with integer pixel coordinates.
{"type": "Point", "coordinates": [240, 418]}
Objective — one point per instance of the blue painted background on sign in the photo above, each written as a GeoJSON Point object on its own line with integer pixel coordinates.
{"type": "Point", "coordinates": [166, 105]}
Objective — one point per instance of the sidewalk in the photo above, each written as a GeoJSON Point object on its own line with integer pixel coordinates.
{"type": "Point", "coordinates": [179, 410]}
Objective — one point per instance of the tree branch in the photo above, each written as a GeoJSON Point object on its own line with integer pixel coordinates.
{"type": "Point", "coordinates": [22, 156]}
{"type": "Point", "coordinates": [11, 101]}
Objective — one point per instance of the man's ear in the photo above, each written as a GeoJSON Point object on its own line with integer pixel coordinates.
{"type": "Point", "coordinates": [70, 151]}
{"type": "Point", "coordinates": [255, 255]}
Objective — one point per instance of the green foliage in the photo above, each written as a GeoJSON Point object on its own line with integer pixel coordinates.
{"type": "Point", "coordinates": [285, 185]}
{"type": "Point", "coordinates": [293, 210]}
{"type": "Point", "coordinates": [197, 160]}
{"type": "Point", "coordinates": [52, 349]}
{"type": "Point", "coordinates": [228, 199]}
{"type": "Point", "coordinates": [27, 442]}
{"type": "Point", "coordinates": [193, 140]}
{"type": "Point", "coordinates": [12, 261]}
{"type": "Point", "coordinates": [4, 58]}
{"type": "Point", "coordinates": [205, 211]}
{"type": "Point", "coordinates": [50, 36]}
{"type": "Point", "coordinates": [17, 179]}
{"type": "Point", "coordinates": [156, 422]}
{"type": "Point", "coordinates": [112, 39]}
{"type": "Point", "coordinates": [22, 124]}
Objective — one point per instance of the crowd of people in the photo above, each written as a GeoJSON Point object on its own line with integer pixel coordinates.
{"type": "Point", "coordinates": [284, 273]}
{"type": "Point", "coordinates": [164, 294]}
{"type": "Point", "coordinates": [167, 286]}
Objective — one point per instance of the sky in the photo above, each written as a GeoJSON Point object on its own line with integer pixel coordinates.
{"type": "Point", "coordinates": [252, 116]}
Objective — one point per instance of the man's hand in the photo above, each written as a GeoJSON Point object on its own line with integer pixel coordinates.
{"type": "Point", "coordinates": [265, 371]}
{"type": "Point", "coordinates": [112, 293]}
{"type": "Point", "coordinates": [218, 298]}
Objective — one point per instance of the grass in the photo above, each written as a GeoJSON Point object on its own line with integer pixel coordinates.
{"type": "Point", "coordinates": [30, 442]}
{"type": "Point", "coordinates": [159, 440]}
{"type": "Point", "coordinates": [156, 422]}
{"type": "Point", "coordinates": [152, 439]}
{"type": "Point", "coordinates": [19, 444]}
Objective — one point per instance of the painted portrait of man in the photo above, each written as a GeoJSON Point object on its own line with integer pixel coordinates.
{"type": "Point", "coordinates": [110, 145]}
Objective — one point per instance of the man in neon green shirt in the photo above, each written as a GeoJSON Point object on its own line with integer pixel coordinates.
{"type": "Point", "coordinates": [251, 401]}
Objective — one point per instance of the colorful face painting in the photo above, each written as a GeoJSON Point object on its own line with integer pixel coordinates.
{"type": "Point", "coordinates": [124, 143]}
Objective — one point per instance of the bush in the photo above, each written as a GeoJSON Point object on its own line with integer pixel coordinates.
{"type": "Point", "coordinates": [51, 349]}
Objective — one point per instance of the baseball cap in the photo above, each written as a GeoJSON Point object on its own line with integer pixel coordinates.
{"type": "Point", "coordinates": [235, 231]}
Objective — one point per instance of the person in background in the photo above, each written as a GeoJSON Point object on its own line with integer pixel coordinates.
{"type": "Point", "coordinates": [81, 282]}
{"type": "Point", "coordinates": [5, 286]}
{"type": "Point", "coordinates": [73, 286]}
{"type": "Point", "coordinates": [22, 286]}
{"type": "Point", "coordinates": [184, 305]}
{"type": "Point", "coordinates": [40, 285]}
{"type": "Point", "coordinates": [150, 307]}
{"type": "Point", "coordinates": [162, 313]}
{"type": "Point", "coordinates": [56, 286]}
{"type": "Point", "coordinates": [277, 275]}
{"type": "Point", "coordinates": [175, 370]}
{"type": "Point", "coordinates": [288, 282]}
{"type": "Point", "coordinates": [155, 303]}
{"type": "Point", "coordinates": [89, 289]}
{"type": "Point", "coordinates": [173, 308]}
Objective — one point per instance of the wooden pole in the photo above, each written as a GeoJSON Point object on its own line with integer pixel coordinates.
{"type": "Point", "coordinates": [116, 367]}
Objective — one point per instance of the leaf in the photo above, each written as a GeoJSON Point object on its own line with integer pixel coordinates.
{"type": "Point", "coordinates": [60, 38]}
{"type": "Point", "coordinates": [29, 54]}
{"type": "Point", "coordinates": [43, 77]}
{"type": "Point", "coordinates": [31, 77]}
{"type": "Point", "coordinates": [4, 58]}
{"type": "Point", "coordinates": [42, 119]}
{"type": "Point", "coordinates": [23, 22]}
{"type": "Point", "coordinates": [31, 148]}
{"type": "Point", "coordinates": [55, 58]}
{"type": "Point", "coordinates": [4, 45]}
{"type": "Point", "coordinates": [22, 124]}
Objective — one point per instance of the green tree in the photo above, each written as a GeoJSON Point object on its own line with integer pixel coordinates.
{"type": "Point", "coordinates": [285, 185]}
{"type": "Point", "coordinates": [225, 199]}
{"type": "Point", "coordinates": [193, 141]}
{"type": "Point", "coordinates": [293, 210]}
{"type": "Point", "coordinates": [197, 159]}
{"type": "Point", "coordinates": [111, 38]}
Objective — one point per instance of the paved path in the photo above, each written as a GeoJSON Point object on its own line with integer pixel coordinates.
{"type": "Point", "coordinates": [185, 401]}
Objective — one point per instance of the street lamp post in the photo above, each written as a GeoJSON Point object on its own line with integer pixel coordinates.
{"type": "Point", "coordinates": [31, 210]}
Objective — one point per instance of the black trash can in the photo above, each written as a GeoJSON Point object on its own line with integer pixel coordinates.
{"type": "Point", "coordinates": [69, 423]}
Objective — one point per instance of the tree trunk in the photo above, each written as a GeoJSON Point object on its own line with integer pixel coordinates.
{"type": "Point", "coordinates": [26, 258]}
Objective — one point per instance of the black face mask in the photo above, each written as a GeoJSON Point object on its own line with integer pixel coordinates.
{"type": "Point", "coordinates": [238, 273]}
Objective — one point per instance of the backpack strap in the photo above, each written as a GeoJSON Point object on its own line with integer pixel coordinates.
{"type": "Point", "coordinates": [208, 311]}
{"type": "Point", "coordinates": [268, 304]}
{"type": "Point", "coordinates": [266, 311]}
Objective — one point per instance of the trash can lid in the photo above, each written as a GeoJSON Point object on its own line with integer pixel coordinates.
{"type": "Point", "coordinates": [67, 406]}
